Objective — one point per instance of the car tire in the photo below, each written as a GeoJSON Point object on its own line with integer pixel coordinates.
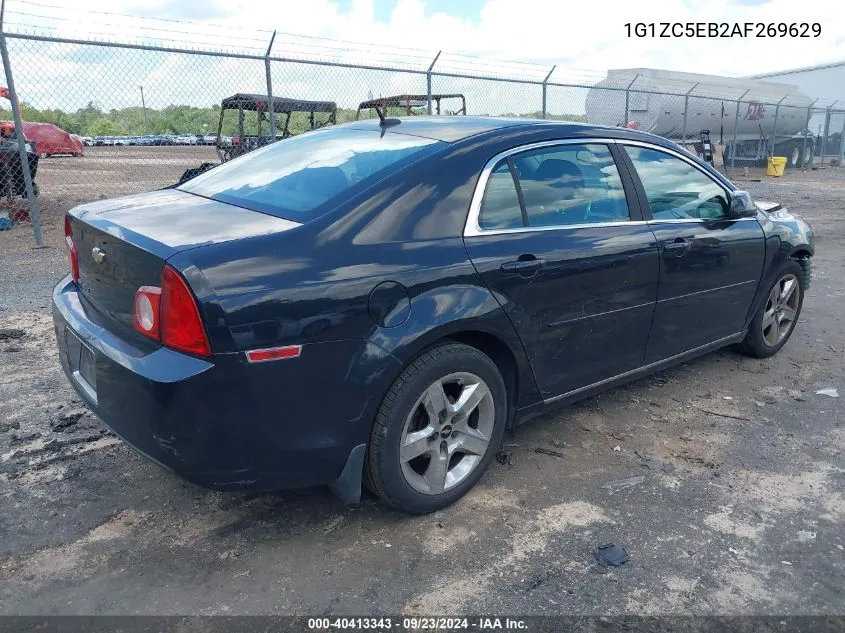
{"type": "Point", "coordinates": [776, 318]}
{"type": "Point", "coordinates": [792, 152]}
{"type": "Point", "coordinates": [455, 445]}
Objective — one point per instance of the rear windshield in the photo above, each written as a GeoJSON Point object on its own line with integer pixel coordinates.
{"type": "Point", "coordinates": [298, 178]}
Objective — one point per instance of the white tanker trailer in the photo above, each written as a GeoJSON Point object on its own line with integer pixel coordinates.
{"type": "Point", "coordinates": [711, 105]}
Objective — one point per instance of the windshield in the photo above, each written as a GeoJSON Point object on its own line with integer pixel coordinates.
{"type": "Point", "coordinates": [298, 178]}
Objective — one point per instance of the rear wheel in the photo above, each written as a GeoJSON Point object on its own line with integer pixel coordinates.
{"type": "Point", "coordinates": [437, 430]}
{"type": "Point", "coordinates": [775, 320]}
{"type": "Point", "coordinates": [794, 158]}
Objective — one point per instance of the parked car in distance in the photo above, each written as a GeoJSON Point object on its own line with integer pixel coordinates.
{"type": "Point", "coordinates": [378, 301]}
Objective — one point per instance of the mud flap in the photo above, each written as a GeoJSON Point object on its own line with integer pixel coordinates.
{"type": "Point", "coordinates": [347, 487]}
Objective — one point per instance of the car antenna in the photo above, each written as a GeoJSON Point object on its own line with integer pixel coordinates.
{"type": "Point", "coordinates": [385, 121]}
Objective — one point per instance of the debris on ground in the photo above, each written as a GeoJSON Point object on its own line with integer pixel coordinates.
{"type": "Point", "coordinates": [542, 577]}
{"type": "Point", "coordinates": [786, 562]}
{"type": "Point", "coordinates": [557, 443]}
{"type": "Point", "coordinates": [610, 554]}
{"type": "Point", "coordinates": [833, 393]}
{"type": "Point", "coordinates": [67, 420]}
{"type": "Point", "coordinates": [617, 448]}
{"type": "Point", "coordinates": [622, 484]}
{"type": "Point", "coordinates": [333, 524]}
{"type": "Point", "coordinates": [796, 395]}
{"type": "Point", "coordinates": [726, 415]}
{"type": "Point", "coordinates": [546, 451]}
{"type": "Point", "coordinates": [804, 536]}
{"type": "Point", "coordinates": [504, 458]}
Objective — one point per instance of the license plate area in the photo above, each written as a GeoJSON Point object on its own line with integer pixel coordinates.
{"type": "Point", "coordinates": [82, 364]}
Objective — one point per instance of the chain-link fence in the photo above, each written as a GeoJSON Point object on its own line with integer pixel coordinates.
{"type": "Point", "coordinates": [104, 119]}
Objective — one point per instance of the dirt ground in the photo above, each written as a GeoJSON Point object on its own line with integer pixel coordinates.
{"type": "Point", "coordinates": [739, 509]}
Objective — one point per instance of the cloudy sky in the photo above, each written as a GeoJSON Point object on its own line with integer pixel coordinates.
{"type": "Point", "coordinates": [583, 38]}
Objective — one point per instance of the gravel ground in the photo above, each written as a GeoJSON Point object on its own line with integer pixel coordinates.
{"type": "Point", "coordinates": [739, 510]}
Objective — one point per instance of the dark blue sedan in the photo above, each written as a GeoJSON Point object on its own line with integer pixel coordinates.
{"type": "Point", "coordinates": [378, 301]}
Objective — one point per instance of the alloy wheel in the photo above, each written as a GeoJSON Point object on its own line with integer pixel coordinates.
{"type": "Point", "coordinates": [447, 433]}
{"type": "Point", "coordinates": [781, 310]}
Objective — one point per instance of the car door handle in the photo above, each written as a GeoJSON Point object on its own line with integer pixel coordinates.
{"type": "Point", "coordinates": [525, 264]}
{"type": "Point", "coordinates": [678, 248]}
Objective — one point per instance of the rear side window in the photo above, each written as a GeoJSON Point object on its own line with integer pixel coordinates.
{"type": "Point", "coordinates": [500, 208]}
{"type": "Point", "coordinates": [301, 177]}
{"type": "Point", "coordinates": [560, 186]}
{"type": "Point", "coordinates": [677, 190]}
{"type": "Point", "coordinates": [571, 184]}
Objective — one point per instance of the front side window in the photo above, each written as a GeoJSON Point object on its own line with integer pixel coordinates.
{"type": "Point", "coordinates": [677, 190]}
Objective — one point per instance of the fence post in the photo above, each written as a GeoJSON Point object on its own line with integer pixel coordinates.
{"type": "Point", "coordinates": [806, 131]}
{"type": "Point", "coordinates": [775, 126]}
{"type": "Point", "coordinates": [545, 85]}
{"type": "Point", "coordinates": [686, 108]}
{"type": "Point", "coordinates": [842, 142]}
{"type": "Point", "coordinates": [627, 97]}
{"type": "Point", "coordinates": [736, 124]}
{"type": "Point", "coordinates": [428, 79]}
{"type": "Point", "coordinates": [34, 217]}
{"type": "Point", "coordinates": [826, 132]}
{"type": "Point", "coordinates": [270, 104]}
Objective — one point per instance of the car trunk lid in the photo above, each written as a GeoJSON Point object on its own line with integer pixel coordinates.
{"type": "Point", "coordinates": [123, 244]}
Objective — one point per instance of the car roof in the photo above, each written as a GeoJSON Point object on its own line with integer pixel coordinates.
{"type": "Point", "coordinates": [455, 128]}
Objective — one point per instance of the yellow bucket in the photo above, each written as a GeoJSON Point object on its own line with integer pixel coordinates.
{"type": "Point", "coordinates": [776, 165]}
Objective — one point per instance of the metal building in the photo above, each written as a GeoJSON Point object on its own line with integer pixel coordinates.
{"type": "Point", "coordinates": [827, 83]}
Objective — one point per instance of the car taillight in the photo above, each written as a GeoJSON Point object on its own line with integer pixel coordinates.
{"type": "Point", "coordinates": [74, 258]}
{"type": "Point", "coordinates": [147, 319]}
{"type": "Point", "coordinates": [170, 315]}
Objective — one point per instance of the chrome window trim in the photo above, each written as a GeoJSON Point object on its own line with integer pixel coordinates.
{"type": "Point", "coordinates": [472, 229]}
{"type": "Point", "coordinates": [676, 154]}
{"type": "Point", "coordinates": [697, 220]}
{"type": "Point", "coordinates": [531, 229]}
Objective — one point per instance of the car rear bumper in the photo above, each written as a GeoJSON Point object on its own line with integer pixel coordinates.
{"type": "Point", "coordinates": [222, 423]}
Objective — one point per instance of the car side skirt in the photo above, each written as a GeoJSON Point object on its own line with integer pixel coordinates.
{"type": "Point", "coordinates": [525, 414]}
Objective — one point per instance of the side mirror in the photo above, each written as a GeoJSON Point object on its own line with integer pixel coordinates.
{"type": "Point", "coordinates": [742, 206]}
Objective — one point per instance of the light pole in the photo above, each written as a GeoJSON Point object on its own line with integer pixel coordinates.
{"type": "Point", "coordinates": [144, 108]}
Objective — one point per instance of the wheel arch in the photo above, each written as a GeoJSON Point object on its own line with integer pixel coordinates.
{"type": "Point", "coordinates": [804, 256]}
{"type": "Point", "coordinates": [505, 351]}
{"type": "Point", "coordinates": [500, 353]}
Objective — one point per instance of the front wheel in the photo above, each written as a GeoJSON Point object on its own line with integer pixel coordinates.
{"type": "Point", "coordinates": [437, 430]}
{"type": "Point", "coordinates": [775, 320]}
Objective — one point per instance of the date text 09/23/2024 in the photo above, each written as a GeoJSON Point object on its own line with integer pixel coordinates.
{"type": "Point", "coordinates": [723, 29]}
{"type": "Point", "coordinates": [411, 623]}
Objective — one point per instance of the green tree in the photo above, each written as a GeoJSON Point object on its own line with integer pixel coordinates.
{"type": "Point", "coordinates": [104, 127]}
